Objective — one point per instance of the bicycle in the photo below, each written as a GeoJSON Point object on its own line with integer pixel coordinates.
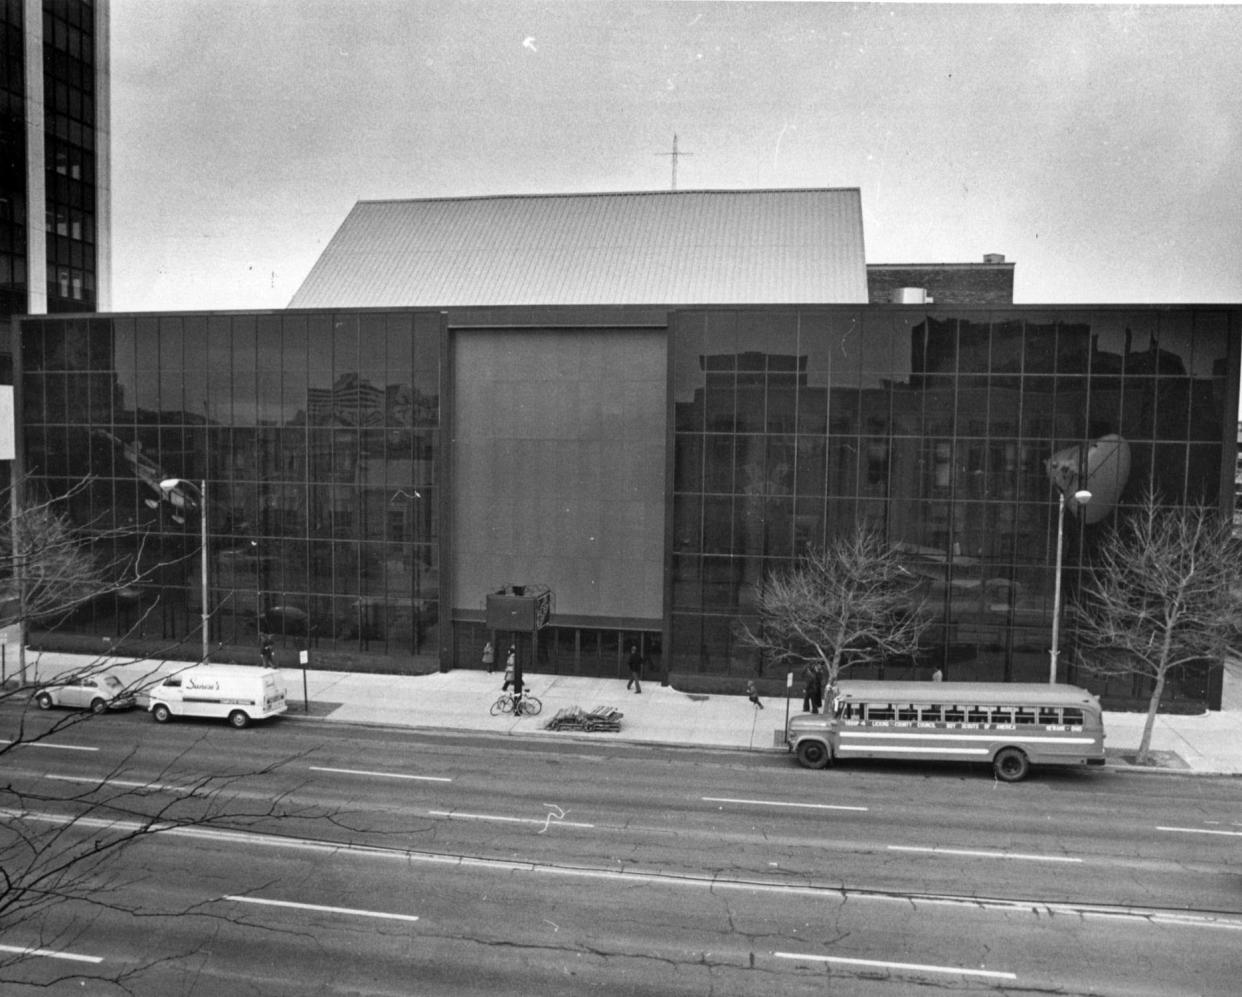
{"type": "Point", "coordinates": [507, 703]}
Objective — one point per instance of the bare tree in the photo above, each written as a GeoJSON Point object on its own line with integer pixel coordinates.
{"type": "Point", "coordinates": [60, 852]}
{"type": "Point", "coordinates": [50, 567]}
{"type": "Point", "coordinates": [58, 841]}
{"type": "Point", "coordinates": [1160, 595]}
{"type": "Point", "coordinates": [846, 604]}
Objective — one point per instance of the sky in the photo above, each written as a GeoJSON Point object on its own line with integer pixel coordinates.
{"type": "Point", "coordinates": [1094, 146]}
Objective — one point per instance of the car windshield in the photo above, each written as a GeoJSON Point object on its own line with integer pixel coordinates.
{"type": "Point", "coordinates": [111, 681]}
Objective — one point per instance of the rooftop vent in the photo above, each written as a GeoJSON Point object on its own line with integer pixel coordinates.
{"type": "Point", "coordinates": [911, 296]}
{"type": "Point", "coordinates": [993, 257]}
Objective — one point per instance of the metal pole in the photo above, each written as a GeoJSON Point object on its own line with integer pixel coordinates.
{"type": "Point", "coordinates": [202, 517]}
{"type": "Point", "coordinates": [1056, 595]}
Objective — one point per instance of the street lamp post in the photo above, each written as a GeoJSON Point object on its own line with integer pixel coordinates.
{"type": "Point", "coordinates": [167, 485]}
{"type": "Point", "coordinates": [1082, 497]}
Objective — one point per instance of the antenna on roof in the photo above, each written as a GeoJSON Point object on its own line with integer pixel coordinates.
{"type": "Point", "coordinates": [674, 154]}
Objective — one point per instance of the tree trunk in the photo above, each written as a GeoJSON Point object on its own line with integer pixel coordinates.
{"type": "Point", "coordinates": [1152, 707]}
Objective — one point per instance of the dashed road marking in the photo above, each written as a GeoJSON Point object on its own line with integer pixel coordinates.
{"type": "Point", "coordinates": [123, 783]}
{"type": "Point", "coordinates": [1200, 830]}
{"type": "Point", "coordinates": [383, 775]}
{"type": "Point", "coordinates": [543, 821]}
{"type": "Point", "coordinates": [971, 853]}
{"type": "Point", "coordinates": [352, 911]}
{"type": "Point", "coordinates": [900, 967]}
{"type": "Point", "coordinates": [51, 954]}
{"type": "Point", "coordinates": [780, 803]}
{"type": "Point", "coordinates": [47, 744]}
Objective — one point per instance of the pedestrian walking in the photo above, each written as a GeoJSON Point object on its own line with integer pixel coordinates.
{"type": "Point", "coordinates": [267, 652]}
{"type": "Point", "coordinates": [635, 662]}
{"type": "Point", "coordinates": [510, 669]}
{"type": "Point", "coordinates": [753, 694]}
{"type": "Point", "coordinates": [489, 657]}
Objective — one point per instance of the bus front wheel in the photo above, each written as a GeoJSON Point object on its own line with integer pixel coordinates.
{"type": "Point", "coordinates": [813, 754]}
{"type": "Point", "coordinates": [1011, 765]}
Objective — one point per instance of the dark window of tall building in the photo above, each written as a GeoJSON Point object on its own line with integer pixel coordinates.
{"type": "Point", "coordinates": [69, 137]}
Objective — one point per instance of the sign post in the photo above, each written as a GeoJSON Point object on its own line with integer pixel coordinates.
{"type": "Point", "coordinates": [304, 660]}
{"type": "Point", "coordinates": [788, 693]}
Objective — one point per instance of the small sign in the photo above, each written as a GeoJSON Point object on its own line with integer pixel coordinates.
{"type": "Point", "coordinates": [304, 658]}
{"type": "Point", "coordinates": [8, 446]}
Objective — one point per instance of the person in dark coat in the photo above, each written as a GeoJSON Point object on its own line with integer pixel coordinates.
{"type": "Point", "coordinates": [812, 688]}
{"type": "Point", "coordinates": [635, 662]}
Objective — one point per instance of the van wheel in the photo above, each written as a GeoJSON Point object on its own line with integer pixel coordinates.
{"type": "Point", "coordinates": [98, 705]}
{"type": "Point", "coordinates": [161, 713]}
{"type": "Point", "coordinates": [44, 701]}
{"type": "Point", "coordinates": [813, 754]}
{"type": "Point", "coordinates": [238, 719]}
{"type": "Point", "coordinates": [1011, 765]}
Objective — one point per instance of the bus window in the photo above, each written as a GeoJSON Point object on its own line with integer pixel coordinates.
{"type": "Point", "coordinates": [1002, 715]}
{"type": "Point", "coordinates": [907, 712]}
{"type": "Point", "coordinates": [977, 715]}
{"type": "Point", "coordinates": [876, 711]}
{"type": "Point", "coordinates": [932, 714]}
{"type": "Point", "coordinates": [1072, 715]}
{"type": "Point", "coordinates": [846, 711]}
{"type": "Point", "coordinates": [954, 714]}
{"type": "Point", "coordinates": [1049, 715]}
{"type": "Point", "coordinates": [1024, 716]}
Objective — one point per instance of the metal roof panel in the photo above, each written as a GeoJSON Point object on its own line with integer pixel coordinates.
{"type": "Point", "coordinates": [674, 247]}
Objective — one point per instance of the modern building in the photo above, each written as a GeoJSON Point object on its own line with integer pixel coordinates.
{"type": "Point", "coordinates": [639, 402]}
{"type": "Point", "coordinates": [55, 209]}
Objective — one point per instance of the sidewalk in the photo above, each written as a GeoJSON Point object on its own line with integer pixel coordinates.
{"type": "Point", "coordinates": [1209, 743]}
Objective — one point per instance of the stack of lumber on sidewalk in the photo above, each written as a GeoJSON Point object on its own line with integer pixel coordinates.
{"type": "Point", "coordinates": [575, 718]}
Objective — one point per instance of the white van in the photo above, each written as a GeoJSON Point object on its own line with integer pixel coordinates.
{"type": "Point", "coordinates": [238, 693]}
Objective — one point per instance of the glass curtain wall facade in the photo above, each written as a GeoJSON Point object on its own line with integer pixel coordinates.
{"type": "Point", "coordinates": [933, 427]}
{"type": "Point", "coordinates": [318, 438]}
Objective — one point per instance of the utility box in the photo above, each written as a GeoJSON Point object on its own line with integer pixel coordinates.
{"type": "Point", "coordinates": [519, 608]}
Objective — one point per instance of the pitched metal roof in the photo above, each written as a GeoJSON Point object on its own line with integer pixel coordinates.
{"type": "Point", "coordinates": [658, 247]}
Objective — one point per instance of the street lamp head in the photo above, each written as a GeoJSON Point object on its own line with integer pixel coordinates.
{"type": "Point", "coordinates": [1082, 497]}
{"type": "Point", "coordinates": [168, 484]}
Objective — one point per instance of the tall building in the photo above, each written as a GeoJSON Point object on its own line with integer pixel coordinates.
{"type": "Point", "coordinates": [54, 159]}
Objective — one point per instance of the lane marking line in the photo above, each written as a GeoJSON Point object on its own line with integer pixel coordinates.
{"type": "Point", "coordinates": [46, 744]}
{"type": "Point", "coordinates": [51, 954]}
{"type": "Point", "coordinates": [780, 803]}
{"type": "Point", "coordinates": [908, 967]}
{"type": "Point", "coordinates": [1200, 830]}
{"type": "Point", "coordinates": [253, 839]}
{"type": "Point", "coordinates": [456, 815]}
{"type": "Point", "coordinates": [383, 915]}
{"type": "Point", "coordinates": [970, 853]}
{"type": "Point", "coordinates": [126, 783]}
{"type": "Point", "coordinates": [382, 775]}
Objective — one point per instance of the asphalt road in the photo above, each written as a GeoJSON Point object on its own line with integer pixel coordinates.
{"type": "Point", "coordinates": [309, 858]}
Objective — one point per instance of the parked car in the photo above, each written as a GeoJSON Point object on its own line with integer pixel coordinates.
{"type": "Point", "coordinates": [95, 692]}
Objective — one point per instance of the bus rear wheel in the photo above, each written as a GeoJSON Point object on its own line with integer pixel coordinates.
{"type": "Point", "coordinates": [813, 754]}
{"type": "Point", "coordinates": [1011, 765]}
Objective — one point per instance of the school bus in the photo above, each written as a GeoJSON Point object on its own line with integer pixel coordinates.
{"type": "Point", "coordinates": [1012, 726]}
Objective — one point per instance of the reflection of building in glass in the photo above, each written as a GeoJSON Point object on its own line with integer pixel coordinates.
{"type": "Point", "coordinates": [329, 512]}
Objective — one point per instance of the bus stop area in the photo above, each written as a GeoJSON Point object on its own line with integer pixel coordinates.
{"type": "Point", "coordinates": [459, 700]}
